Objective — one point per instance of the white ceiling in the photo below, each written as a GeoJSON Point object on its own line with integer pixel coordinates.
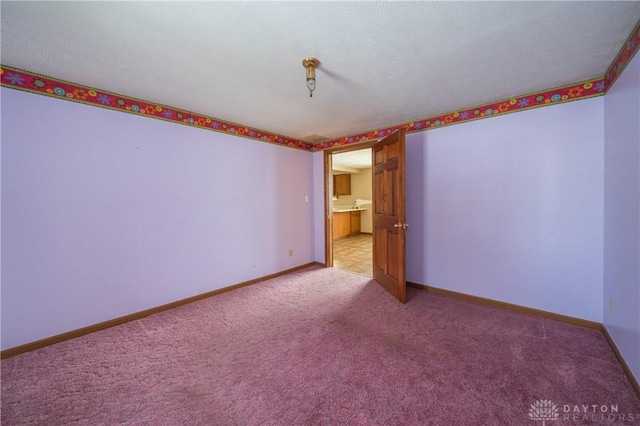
{"type": "Point", "coordinates": [382, 63]}
{"type": "Point", "coordinates": [360, 159]}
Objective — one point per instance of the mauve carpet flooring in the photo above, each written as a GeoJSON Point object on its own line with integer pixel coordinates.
{"type": "Point", "coordinates": [323, 347]}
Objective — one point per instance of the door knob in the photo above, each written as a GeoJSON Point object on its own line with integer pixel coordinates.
{"type": "Point", "coordinates": [401, 225]}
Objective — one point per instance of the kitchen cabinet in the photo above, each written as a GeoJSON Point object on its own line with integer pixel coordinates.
{"type": "Point", "coordinates": [346, 223]}
{"type": "Point", "coordinates": [341, 185]}
{"type": "Point", "coordinates": [355, 222]}
{"type": "Point", "coordinates": [341, 224]}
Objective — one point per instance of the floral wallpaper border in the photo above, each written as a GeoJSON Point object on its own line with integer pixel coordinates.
{"type": "Point", "coordinates": [36, 83]}
{"type": "Point", "coordinates": [625, 55]}
{"type": "Point", "coordinates": [571, 92]}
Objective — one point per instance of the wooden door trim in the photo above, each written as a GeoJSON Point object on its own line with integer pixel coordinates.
{"type": "Point", "coordinates": [328, 222]}
{"type": "Point", "coordinates": [352, 147]}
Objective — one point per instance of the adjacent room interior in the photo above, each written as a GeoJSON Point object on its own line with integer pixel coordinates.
{"type": "Point", "coordinates": [352, 211]}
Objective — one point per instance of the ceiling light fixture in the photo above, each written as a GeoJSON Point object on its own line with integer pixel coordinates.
{"type": "Point", "coordinates": [311, 64]}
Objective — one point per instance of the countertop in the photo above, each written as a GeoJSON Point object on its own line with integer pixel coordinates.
{"type": "Point", "coordinates": [353, 209]}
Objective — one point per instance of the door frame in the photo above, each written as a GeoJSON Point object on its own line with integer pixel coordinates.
{"type": "Point", "coordinates": [328, 198]}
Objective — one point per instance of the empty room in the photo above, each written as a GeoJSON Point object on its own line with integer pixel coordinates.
{"type": "Point", "coordinates": [335, 213]}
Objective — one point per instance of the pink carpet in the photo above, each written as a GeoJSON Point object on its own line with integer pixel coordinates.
{"type": "Point", "coordinates": [326, 347]}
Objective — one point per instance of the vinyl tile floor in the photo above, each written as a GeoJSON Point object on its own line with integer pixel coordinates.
{"type": "Point", "coordinates": [354, 253]}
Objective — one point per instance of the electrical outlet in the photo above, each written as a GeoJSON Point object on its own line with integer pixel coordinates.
{"type": "Point", "coordinates": [612, 304]}
{"type": "Point", "coordinates": [290, 252]}
{"type": "Point", "coordinates": [306, 198]}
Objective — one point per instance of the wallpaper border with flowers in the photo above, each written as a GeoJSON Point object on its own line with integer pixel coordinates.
{"type": "Point", "coordinates": [36, 83]}
{"type": "Point", "coordinates": [567, 93]}
{"type": "Point", "coordinates": [628, 50]}
{"type": "Point", "coordinates": [572, 92]}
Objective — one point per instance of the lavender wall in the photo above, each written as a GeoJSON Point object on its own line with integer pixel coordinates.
{"type": "Point", "coordinates": [511, 208]}
{"type": "Point", "coordinates": [105, 214]}
{"type": "Point", "coordinates": [622, 214]}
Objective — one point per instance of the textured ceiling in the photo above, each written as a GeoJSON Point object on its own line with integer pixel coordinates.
{"type": "Point", "coordinates": [382, 63]}
{"type": "Point", "coordinates": [360, 159]}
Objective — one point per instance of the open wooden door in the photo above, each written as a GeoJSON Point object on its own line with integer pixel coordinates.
{"type": "Point", "coordinates": [389, 214]}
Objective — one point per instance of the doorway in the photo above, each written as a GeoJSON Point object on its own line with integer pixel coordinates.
{"type": "Point", "coordinates": [388, 175]}
{"type": "Point", "coordinates": [351, 209]}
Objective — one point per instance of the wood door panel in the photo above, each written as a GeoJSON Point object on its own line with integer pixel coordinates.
{"type": "Point", "coordinates": [393, 267]}
{"type": "Point", "coordinates": [389, 214]}
{"type": "Point", "coordinates": [380, 254]}
{"type": "Point", "coordinates": [392, 182]}
{"type": "Point", "coordinates": [392, 151]}
{"type": "Point", "coordinates": [387, 260]}
{"type": "Point", "coordinates": [385, 182]}
{"type": "Point", "coordinates": [392, 164]}
{"type": "Point", "coordinates": [378, 182]}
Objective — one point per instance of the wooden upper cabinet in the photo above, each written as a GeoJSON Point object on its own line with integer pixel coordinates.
{"type": "Point", "coordinates": [342, 184]}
